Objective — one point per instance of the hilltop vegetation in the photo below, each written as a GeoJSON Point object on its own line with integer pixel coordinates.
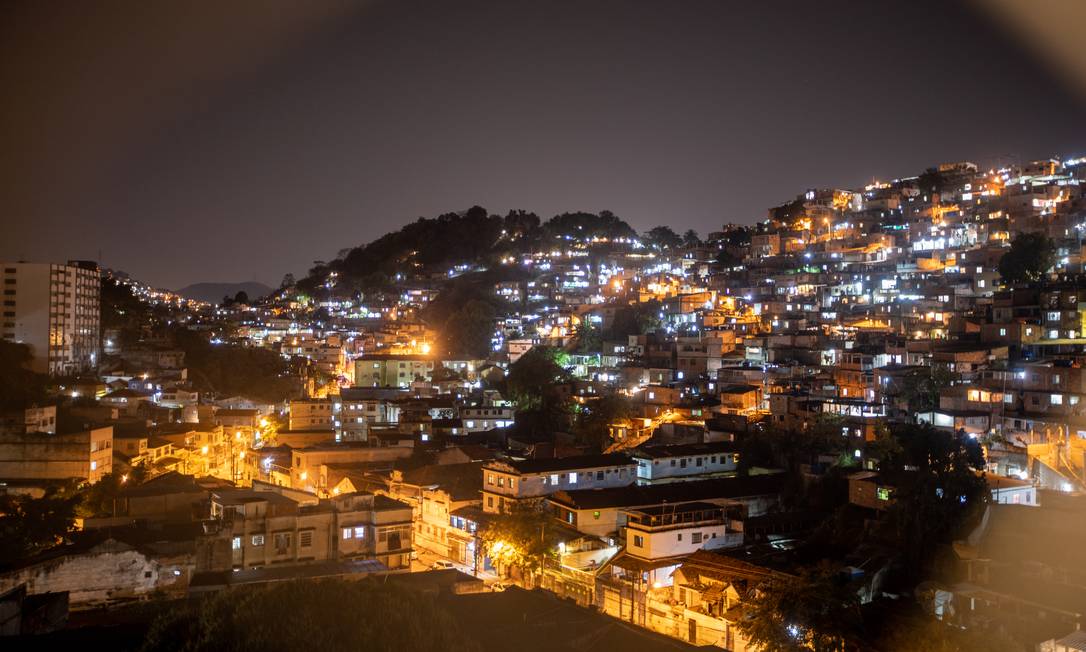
{"type": "Point", "coordinates": [435, 245]}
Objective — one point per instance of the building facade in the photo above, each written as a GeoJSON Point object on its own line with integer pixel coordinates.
{"type": "Point", "coordinates": [55, 310]}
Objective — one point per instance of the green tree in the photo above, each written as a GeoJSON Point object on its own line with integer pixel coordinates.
{"type": "Point", "coordinates": [594, 419]}
{"type": "Point", "coordinates": [522, 535]}
{"type": "Point", "coordinates": [241, 297]}
{"type": "Point", "coordinates": [1030, 257]}
{"type": "Point", "coordinates": [589, 338]}
{"type": "Point", "coordinates": [99, 499]}
{"type": "Point", "coordinates": [725, 258]}
{"type": "Point", "coordinates": [302, 615]}
{"type": "Point", "coordinates": [932, 180]}
{"type": "Point", "coordinates": [31, 525]}
{"type": "Point", "coordinates": [691, 238]}
{"type": "Point", "coordinates": [638, 319]}
{"type": "Point", "coordinates": [469, 329]}
{"type": "Point", "coordinates": [939, 491]}
{"type": "Point", "coordinates": [229, 369]}
{"type": "Point", "coordinates": [19, 386]}
{"type": "Point", "coordinates": [533, 375]}
{"type": "Point", "coordinates": [814, 610]}
{"type": "Point", "coordinates": [663, 237]}
{"type": "Point", "coordinates": [921, 387]}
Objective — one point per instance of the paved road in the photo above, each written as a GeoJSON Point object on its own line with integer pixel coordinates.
{"type": "Point", "coordinates": [426, 560]}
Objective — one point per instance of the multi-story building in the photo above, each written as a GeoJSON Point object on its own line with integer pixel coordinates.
{"type": "Point", "coordinates": [84, 455]}
{"type": "Point", "coordinates": [667, 463]}
{"type": "Point", "coordinates": [54, 309]}
{"type": "Point", "coordinates": [274, 526]}
{"type": "Point", "coordinates": [380, 370]}
{"type": "Point", "coordinates": [508, 482]}
{"type": "Point", "coordinates": [312, 414]}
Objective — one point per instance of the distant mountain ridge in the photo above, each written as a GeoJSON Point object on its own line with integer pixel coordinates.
{"type": "Point", "coordinates": [214, 292]}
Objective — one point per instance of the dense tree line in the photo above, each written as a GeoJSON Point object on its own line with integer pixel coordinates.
{"type": "Point", "coordinates": [229, 369]}
{"type": "Point", "coordinates": [19, 386]}
{"type": "Point", "coordinates": [328, 615]}
{"type": "Point", "coordinates": [434, 245]}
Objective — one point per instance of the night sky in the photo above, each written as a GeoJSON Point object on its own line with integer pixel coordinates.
{"type": "Point", "coordinates": [242, 140]}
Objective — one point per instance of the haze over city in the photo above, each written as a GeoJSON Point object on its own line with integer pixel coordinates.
{"type": "Point", "coordinates": [543, 327]}
{"type": "Point", "coordinates": [263, 136]}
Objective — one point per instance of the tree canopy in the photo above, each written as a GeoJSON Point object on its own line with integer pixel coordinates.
{"type": "Point", "coordinates": [19, 386]}
{"type": "Point", "coordinates": [532, 375]}
{"type": "Point", "coordinates": [521, 535]}
{"type": "Point", "coordinates": [814, 610]}
{"type": "Point", "coordinates": [329, 615]}
{"type": "Point", "coordinates": [594, 419]}
{"type": "Point", "coordinates": [31, 525]}
{"type": "Point", "coordinates": [663, 237]}
{"type": "Point", "coordinates": [1030, 257]}
{"type": "Point", "coordinates": [940, 492]}
{"type": "Point", "coordinates": [229, 369]}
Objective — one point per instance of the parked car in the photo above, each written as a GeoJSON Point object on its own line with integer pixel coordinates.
{"type": "Point", "coordinates": [442, 564]}
{"type": "Point", "coordinates": [498, 587]}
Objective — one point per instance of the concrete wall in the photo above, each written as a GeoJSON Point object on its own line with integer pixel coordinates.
{"type": "Point", "coordinates": [109, 572]}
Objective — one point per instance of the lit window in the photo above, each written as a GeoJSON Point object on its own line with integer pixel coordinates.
{"type": "Point", "coordinates": [554, 478]}
{"type": "Point", "coordinates": [347, 533]}
{"type": "Point", "coordinates": [236, 543]}
{"type": "Point", "coordinates": [258, 539]}
{"type": "Point", "coordinates": [1057, 399]}
{"type": "Point", "coordinates": [573, 478]}
{"type": "Point", "coordinates": [360, 532]}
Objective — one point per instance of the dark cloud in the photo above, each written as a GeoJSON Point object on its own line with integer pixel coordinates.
{"type": "Point", "coordinates": [242, 140]}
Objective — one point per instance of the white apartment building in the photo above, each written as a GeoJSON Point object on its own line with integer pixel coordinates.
{"type": "Point", "coordinates": [54, 309]}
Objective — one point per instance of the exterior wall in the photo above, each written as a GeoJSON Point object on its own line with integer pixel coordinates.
{"type": "Point", "coordinates": [306, 464]}
{"type": "Point", "coordinates": [864, 492]}
{"type": "Point", "coordinates": [391, 372]}
{"type": "Point", "coordinates": [433, 530]}
{"type": "Point", "coordinates": [311, 415]}
{"type": "Point", "coordinates": [110, 572]}
{"type": "Point", "coordinates": [1025, 495]}
{"type": "Point", "coordinates": [686, 465]}
{"type": "Point", "coordinates": [503, 481]}
{"type": "Point", "coordinates": [593, 522]}
{"type": "Point", "coordinates": [486, 418]}
{"type": "Point", "coordinates": [674, 541]}
{"type": "Point", "coordinates": [86, 455]}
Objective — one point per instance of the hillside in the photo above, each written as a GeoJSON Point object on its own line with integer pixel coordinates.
{"type": "Point", "coordinates": [214, 292]}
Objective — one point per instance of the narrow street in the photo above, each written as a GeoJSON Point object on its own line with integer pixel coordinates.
{"type": "Point", "coordinates": [426, 559]}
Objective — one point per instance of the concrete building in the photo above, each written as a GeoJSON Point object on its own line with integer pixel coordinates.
{"type": "Point", "coordinates": [273, 526]}
{"type": "Point", "coordinates": [54, 309]}
{"type": "Point", "coordinates": [85, 455]}
{"type": "Point", "coordinates": [516, 480]}
{"type": "Point", "coordinates": [380, 370]}
{"type": "Point", "coordinates": [312, 414]}
{"type": "Point", "coordinates": [667, 463]}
